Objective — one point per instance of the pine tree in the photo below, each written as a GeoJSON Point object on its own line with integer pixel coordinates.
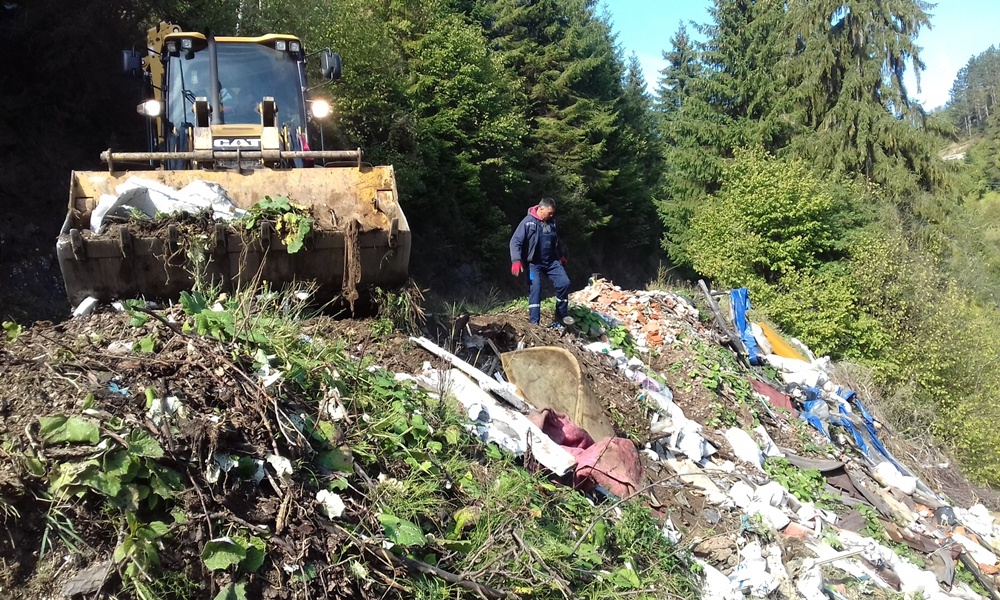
{"type": "Point", "coordinates": [572, 78]}
{"type": "Point", "coordinates": [848, 71]}
{"type": "Point", "coordinates": [730, 98]}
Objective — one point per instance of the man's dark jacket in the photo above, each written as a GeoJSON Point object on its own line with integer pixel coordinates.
{"type": "Point", "coordinates": [524, 243]}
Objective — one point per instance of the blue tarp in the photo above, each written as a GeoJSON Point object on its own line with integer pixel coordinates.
{"type": "Point", "coordinates": [740, 302]}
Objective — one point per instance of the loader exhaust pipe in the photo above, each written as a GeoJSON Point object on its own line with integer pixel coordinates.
{"type": "Point", "coordinates": [213, 73]}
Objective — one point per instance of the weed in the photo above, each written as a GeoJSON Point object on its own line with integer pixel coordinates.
{"type": "Point", "coordinates": [479, 304]}
{"type": "Point", "coordinates": [12, 331]}
{"type": "Point", "coordinates": [380, 328]}
{"type": "Point", "coordinates": [137, 554]}
{"type": "Point", "coordinates": [963, 574]}
{"type": "Point", "coordinates": [403, 308]}
{"type": "Point", "coordinates": [291, 221]}
{"type": "Point", "coordinates": [805, 484]}
{"type": "Point", "coordinates": [593, 326]}
{"type": "Point", "coordinates": [59, 524]}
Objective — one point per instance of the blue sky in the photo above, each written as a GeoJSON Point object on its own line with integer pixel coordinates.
{"type": "Point", "coordinates": [959, 30]}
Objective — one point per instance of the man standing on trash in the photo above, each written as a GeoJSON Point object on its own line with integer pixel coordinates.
{"type": "Point", "coordinates": [536, 243]}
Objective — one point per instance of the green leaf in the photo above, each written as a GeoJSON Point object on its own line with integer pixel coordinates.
{"type": "Point", "coordinates": [13, 331]}
{"type": "Point", "coordinates": [122, 464]}
{"type": "Point", "coordinates": [233, 591]}
{"type": "Point", "coordinates": [222, 553]}
{"type": "Point", "coordinates": [193, 303]}
{"type": "Point", "coordinates": [402, 532]}
{"type": "Point", "coordinates": [147, 345]}
{"type": "Point", "coordinates": [34, 466]}
{"type": "Point", "coordinates": [141, 443]}
{"type": "Point", "coordinates": [164, 481]}
{"type": "Point", "coordinates": [256, 551]}
{"type": "Point", "coordinates": [464, 546]}
{"type": "Point", "coordinates": [626, 577]}
{"type": "Point", "coordinates": [59, 428]}
{"type": "Point", "coordinates": [452, 435]}
{"type": "Point", "coordinates": [325, 431]}
{"type": "Point", "coordinates": [336, 460]}
{"type": "Point", "coordinates": [159, 528]}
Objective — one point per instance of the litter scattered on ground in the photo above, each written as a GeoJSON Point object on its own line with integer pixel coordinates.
{"type": "Point", "coordinates": [778, 487]}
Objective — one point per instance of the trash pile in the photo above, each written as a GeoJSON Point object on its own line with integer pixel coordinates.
{"type": "Point", "coordinates": [227, 448]}
{"type": "Point", "coordinates": [654, 318]}
{"type": "Point", "coordinates": [811, 527]}
{"type": "Point", "coordinates": [879, 501]}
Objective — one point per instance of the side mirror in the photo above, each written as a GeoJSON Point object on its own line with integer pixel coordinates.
{"type": "Point", "coordinates": [132, 63]}
{"type": "Point", "coordinates": [330, 65]}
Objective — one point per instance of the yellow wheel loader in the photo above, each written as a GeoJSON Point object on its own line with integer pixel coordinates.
{"type": "Point", "coordinates": [231, 114]}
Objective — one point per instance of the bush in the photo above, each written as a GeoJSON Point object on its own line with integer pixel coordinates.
{"type": "Point", "coordinates": [771, 218]}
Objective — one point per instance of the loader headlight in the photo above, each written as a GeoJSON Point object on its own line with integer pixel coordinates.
{"type": "Point", "coordinates": [320, 109]}
{"type": "Point", "coordinates": [150, 108]}
{"type": "Point", "coordinates": [281, 45]}
{"type": "Point", "coordinates": [172, 47]}
{"type": "Point", "coordinates": [294, 46]}
{"type": "Point", "coordinates": [186, 43]}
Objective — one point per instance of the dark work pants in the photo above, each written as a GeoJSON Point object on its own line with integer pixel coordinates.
{"type": "Point", "coordinates": [557, 275]}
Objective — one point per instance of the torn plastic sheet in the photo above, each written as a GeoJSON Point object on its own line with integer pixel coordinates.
{"type": "Point", "coordinates": [492, 422]}
{"type": "Point", "coordinates": [817, 414]}
{"type": "Point", "coordinates": [330, 504]}
{"type": "Point", "coordinates": [798, 371]}
{"type": "Point", "coordinates": [978, 518]}
{"type": "Point", "coordinates": [744, 447]}
{"type": "Point", "coordinates": [165, 409]}
{"type": "Point", "coordinates": [888, 474]}
{"type": "Point", "coordinates": [282, 466]}
{"type": "Point", "coordinates": [716, 585]}
{"type": "Point", "coordinates": [739, 302]}
{"type": "Point", "coordinates": [768, 447]}
{"type": "Point", "coordinates": [751, 574]}
{"type": "Point", "coordinates": [844, 420]}
{"type": "Point", "coordinates": [912, 579]}
{"type": "Point", "coordinates": [221, 463]}
{"type": "Point", "coordinates": [692, 474]}
{"type": "Point", "coordinates": [152, 198]}
{"type": "Point", "coordinates": [685, 434]}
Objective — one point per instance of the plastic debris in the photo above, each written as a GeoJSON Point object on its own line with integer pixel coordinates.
{"type": "Point", "coordinates": [85, 307]}
{"type": "Point", "coordinates": [152, 198]}
{"type": "Point", "coordinates": [751, 575]}
{"type": "Point", "coordinates": [330, 504]}
{"type": "Point", "coordinates": [745, 447]}
{"type": "Point", "coordinates": [282, 466]}
{"type": "Point", "coordinates": [165, 409]}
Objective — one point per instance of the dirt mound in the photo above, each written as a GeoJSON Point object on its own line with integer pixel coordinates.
{"type": "Point", "coordinates": [154, 452]}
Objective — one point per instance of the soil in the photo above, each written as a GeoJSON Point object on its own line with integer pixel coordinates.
{"type": "Point", "coordinates": [60, 368]}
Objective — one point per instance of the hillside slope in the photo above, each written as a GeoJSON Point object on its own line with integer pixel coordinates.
{"type": "Point", "coordinates": [241, 450]}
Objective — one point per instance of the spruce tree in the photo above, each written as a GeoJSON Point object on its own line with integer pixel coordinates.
{"type": "Point", "coordinates": [848, 70]}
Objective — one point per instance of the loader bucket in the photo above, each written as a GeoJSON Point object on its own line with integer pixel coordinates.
{"type": "Point", "coordinates": [360, 238]}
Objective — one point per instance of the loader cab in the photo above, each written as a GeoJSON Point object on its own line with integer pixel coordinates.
{"type": "Point", "coordinates": [250, 70]}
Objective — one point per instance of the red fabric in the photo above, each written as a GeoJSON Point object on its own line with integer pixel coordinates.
{"type": "Point", "coordinates": [776, 398]}
{"type": "Point", "coordinates": [612, 463]}
{"type": "Point", "coordinates": [562, 431]}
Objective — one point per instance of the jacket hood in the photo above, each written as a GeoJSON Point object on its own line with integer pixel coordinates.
{"type": "Point", "coordinates": [533, 211]}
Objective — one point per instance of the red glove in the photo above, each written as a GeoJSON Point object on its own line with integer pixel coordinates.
{"type": "Point", "coordinates": [563, 261]}
{"type": "Point", "coordinates": [516, 268]}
